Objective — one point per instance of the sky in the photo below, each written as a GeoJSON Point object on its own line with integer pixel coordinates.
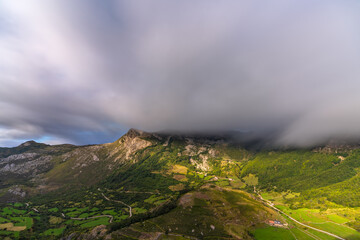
{"type": "Point", "coordinates": [85, 71]}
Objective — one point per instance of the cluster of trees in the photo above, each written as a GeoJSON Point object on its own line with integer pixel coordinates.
{"type": "Point", "coordinates": [323, 179]}
{"type": "Point", "coordinates": [165, 208]}
{"type": "Point", "coordinates": [299, 170]}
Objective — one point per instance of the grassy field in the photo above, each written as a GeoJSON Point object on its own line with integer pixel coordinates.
{"type": "Point", "coordinates": [54, 231]}
{"type": "Point", "coordinates": [331, 220]}
{"type": "Point", "coordinates": [317, 219]}
{"type": "Point", "coordinates": [273, 233]}
{"type": "Point", "coordinates": [337, 219]}
{"type": "Point", "coordinates": [95, 222]}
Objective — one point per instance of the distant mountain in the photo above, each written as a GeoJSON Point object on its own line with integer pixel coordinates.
{"type": "Point", "coordinates": [178, 186]}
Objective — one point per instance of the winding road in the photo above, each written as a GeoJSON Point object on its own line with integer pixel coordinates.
{"type": "Point", "coordinates": [64, 216]}
{"type": "Point", "coordinates": [109, 216]}
{"type": "Point", "coordinates": [270, 204]}
{"type": "Point", "coordinates": [118, 201]}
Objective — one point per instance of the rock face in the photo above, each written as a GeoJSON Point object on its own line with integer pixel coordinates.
{"type": "Point", "coordinates": [199, 154]}
{"type": "Point", "coordinates": [98, 232]}
{"type": "Point", "coordinates": [130, 143]}
{"type": "Point", "coordinates": [83, 157]}
{"type": "Point", "coordinates": [17, 157]}
{"type": "Point", "coordinates": [203, 164]}
{"type": "Point", "coordinates": [25, 163]}
{"type": "Point", "coordinates": [17, 191]}
{"type": "Point", "coordinates": [133, 144]}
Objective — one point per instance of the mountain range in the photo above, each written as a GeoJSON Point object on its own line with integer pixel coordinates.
{"type": "Point", "coordinates": [180, 186]}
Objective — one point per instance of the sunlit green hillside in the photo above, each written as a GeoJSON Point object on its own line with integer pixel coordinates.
{"type": "Point", "coordinates": [158, 186]}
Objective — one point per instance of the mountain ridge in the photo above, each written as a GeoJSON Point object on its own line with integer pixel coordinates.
{"type": "Point", "coordinates": [243, 139]}
{"type": "Point", "coordinates": [165, 177]}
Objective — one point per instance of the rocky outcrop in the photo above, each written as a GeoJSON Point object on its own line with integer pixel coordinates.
{"type": "Point", "coordinates": [99, 232]}
{"type": "Point", "coordinates": [203, 164]}
{"type": "Point", "coordinates": [130, 143]}
{"type": "Point", "coordinates": [133, 145]}
{"type": "Point", "coordinates": [25, 163]}
{"type": "Point", "coordinates": [16, 190]}
{"type": "Point", "coordinates": [84, 156]}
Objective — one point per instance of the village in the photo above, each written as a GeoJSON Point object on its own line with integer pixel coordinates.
{"type": "Point", "coordinates": [277, 223]}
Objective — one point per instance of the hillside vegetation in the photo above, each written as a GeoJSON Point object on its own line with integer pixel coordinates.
{"type": "Point", "coordinates": [160, 186]}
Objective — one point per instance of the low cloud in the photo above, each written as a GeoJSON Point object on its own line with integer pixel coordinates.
{"type": "Point", "coordinates": [85, 71]}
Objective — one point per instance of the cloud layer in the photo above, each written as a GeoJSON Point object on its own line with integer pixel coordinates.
{"type": "Point", "coordinates": [85, 71]}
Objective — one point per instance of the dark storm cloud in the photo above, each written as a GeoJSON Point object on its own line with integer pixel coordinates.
{"type": "Point", "coordinates": [84, 71]}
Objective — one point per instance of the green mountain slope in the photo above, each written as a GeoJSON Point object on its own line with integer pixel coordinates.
{"type": "Point", "coordinates": [161, 186]}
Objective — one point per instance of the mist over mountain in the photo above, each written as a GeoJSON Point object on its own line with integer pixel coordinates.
{"type": "Point", "coordinates": [86, 71]}
{"type": "Point", "coordinates": [170, 119]}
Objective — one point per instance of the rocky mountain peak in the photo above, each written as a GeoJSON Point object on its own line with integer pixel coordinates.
{"type": "Point", "coordinates": [31, 144]}
{"type": "Point", "coordinates": [28, 143]}
{"type": "Point", "coordinates": [132, 133]}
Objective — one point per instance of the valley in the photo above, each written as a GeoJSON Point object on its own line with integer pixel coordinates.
{"type": "Point", "coordinates": [161, 186]}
